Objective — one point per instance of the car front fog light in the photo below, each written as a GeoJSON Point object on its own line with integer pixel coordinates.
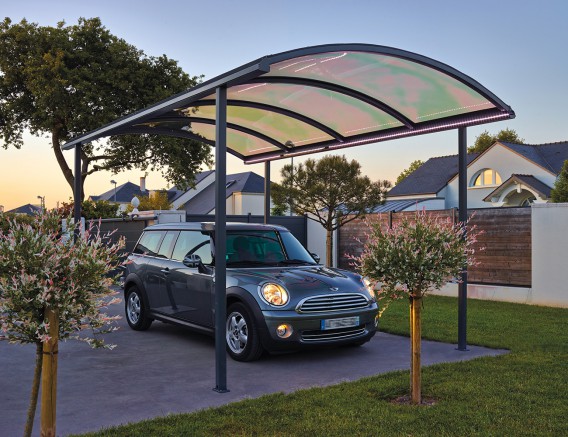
{"type": "Point", "coordinates": [284, 330]}
{"type": "Point", "coordinates": [274, 294]}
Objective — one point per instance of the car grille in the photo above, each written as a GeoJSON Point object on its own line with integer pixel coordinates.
{"type": "Point", "coordinates": [336, 334]}
{"type": "Point", "coordinates": [332, 302]}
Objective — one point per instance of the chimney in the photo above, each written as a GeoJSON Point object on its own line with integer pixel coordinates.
{"type": "Point", "coordinates": [143, 184]}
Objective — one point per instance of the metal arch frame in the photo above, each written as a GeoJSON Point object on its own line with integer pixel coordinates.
{"type": "Point", "coordinates": [397, 53]}
{"type": "Point", "coordinates": [233, 126]}
{"type": "Point", "coordinates": [390, 134]}
{"type": "Point", "coordinates": [282, 111]}
{"type": "Point", "coordinates": [254, 69]}
{"type": "Point", "coordinates": [172, 133]}
{"type": "Point", "coordinates": [341, 90]}
{"type": "Point", "coordinates": [252, 72]}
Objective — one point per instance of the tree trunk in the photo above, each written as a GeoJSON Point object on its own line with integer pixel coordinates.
{"type": "Point", "coordinates": [35, 391]}
{"type": "Point", "coordinates": [49, 376]}
{"type": "Point", "coordinates": [65, 169]}
{"type": "Point", "coordinates": [329, 249]}
{"type": "Point", "coordinates": [415, 349]}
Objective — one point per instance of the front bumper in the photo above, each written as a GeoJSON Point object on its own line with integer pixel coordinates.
{"type": "Point", "coordinates": [307, 332]}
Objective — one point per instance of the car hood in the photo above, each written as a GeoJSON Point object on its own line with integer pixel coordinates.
{"type": "Point", "coordinates": [304, 279]}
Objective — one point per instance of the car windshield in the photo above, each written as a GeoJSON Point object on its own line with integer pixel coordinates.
{"type": "Point", "coordinates": [265, 248]}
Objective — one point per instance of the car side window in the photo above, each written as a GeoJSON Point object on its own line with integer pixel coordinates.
{"type": "Point", "coordinates": [193, 243]}
{"type": "Point", "coordinates": [167, 244]}
{"type": "Point", "coordinates": [149, 243]}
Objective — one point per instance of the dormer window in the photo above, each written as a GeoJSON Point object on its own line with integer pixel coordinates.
{"type": "Point", "coordinates": [486, 178]}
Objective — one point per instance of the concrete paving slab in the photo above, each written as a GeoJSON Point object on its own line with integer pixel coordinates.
{"type": "Point", "coordinates": [169, 369]}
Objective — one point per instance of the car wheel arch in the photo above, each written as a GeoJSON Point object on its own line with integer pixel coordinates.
{"type": "Point", "coordinates": [134, 281]}
{"type": "Point", "coordinates": [238, 294]}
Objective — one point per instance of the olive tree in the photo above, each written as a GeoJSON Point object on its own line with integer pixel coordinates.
{"type": "Point", "coordinates": [412, 258]}
{"type": "Point", "coordinates": [559, 193]}
{"type": "Point", "coordinates": [51, 288]}
{"type": "Point", "coordinates": [63, 81]}
{"type": "Point", "coordinates": [331, 191]}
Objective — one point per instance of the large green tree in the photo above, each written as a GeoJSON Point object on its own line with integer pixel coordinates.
{"type": "Point", "coordinates": [559, 193]}
{"type": "Point", "coordinates": [64, 81]}
{"type": "Point", "coordinates": [413, 166]}
{"type": "Point", "coordinates": [331, 191]}
{"type": "Point", "coordinates": [485, 140]}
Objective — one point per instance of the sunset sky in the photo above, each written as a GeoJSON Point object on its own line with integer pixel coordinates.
{"type": "Point", "coordinates": [515, 49]}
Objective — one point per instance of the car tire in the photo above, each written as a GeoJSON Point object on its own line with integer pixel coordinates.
{"type": "Point", "coordinates": [135, 309]}
{"type": "Point", "coordinates": [241, 334]}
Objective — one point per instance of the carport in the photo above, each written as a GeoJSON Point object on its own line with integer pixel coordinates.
{"type": "Point", "coordinates": [310, 100]}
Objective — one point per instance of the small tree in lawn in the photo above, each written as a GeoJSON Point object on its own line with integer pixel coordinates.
{"type": "Point", "coordinates": [411, 259]}
{"type": "Point", "coordinates": [52, 287]}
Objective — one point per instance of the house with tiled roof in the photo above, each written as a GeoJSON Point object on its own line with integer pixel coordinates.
{"type": "Point", "coordinates": [506, 174]}
{"type": "Point", "coordinates": [245, 194]}
{"type": "Point", "coordinates": [28, 209]}
{"type": "Point", "coordinates": [124, 193]}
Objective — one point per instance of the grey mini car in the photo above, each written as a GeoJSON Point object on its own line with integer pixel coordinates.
{"type": "Point", "coordinates": [278, 296]}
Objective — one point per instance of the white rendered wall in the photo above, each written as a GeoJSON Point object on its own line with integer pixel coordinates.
{"type": "Point", "coordinates": [506, 163]}
{"type": "Point", "coordinates": [316, 240]}
{"type": "Point", "coordinates": [245, 203]}
{"type": "Point", "coordinates": [550, 254]}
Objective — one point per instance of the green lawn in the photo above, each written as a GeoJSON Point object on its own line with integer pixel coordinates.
{"type": "Point", "coordinates": [524, 392]}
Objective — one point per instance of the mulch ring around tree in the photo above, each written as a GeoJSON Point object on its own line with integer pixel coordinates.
{"type": "Point", "coordinates": [407, 400]}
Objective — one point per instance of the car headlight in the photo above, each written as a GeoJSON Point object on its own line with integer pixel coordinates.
{"type": "Point", "coordinates": [274, 294]}
{"type": "Point", "coordinates": [370, 288]}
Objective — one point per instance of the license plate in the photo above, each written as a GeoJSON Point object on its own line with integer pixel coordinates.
{"type": "Point", "coordinates": [345, 322]}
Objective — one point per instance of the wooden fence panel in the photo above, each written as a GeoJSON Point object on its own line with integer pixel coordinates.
{"type": "Point", "coordinates": [506, 237]}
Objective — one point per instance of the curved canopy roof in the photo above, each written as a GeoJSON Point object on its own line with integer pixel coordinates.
{"type": "Point", "coordinates": [319, 98]}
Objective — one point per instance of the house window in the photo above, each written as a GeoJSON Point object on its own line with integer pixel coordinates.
{"type": "Point", "coordinates": [486, 177]}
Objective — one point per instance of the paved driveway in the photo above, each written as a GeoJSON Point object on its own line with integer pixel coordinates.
{"type": "Point", "coordinates": [170, 370]}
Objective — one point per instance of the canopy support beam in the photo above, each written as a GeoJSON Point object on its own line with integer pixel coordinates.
{"type": "Point", "coordinates": [221, 240]}
{"type": "Point", "coordinates": [266, 192]}
{"type": "Point", "coordinates": [462, 206]}
{"type": "Point", "coordinates": [77, 189]}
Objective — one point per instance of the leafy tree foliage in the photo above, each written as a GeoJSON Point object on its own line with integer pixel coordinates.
{"type": "Point", "coordinates": [91, 209]}
{"type": "Point", "coordinates": [331, 191]}
{"type": "Point", "coordinates": [157, 200]}
{"type": "Point", "coordinates": [413, 166]}
{"type": "Point", "coordinates": [64, 81]}
{"type": "Point", "coordinates": [559, 193]}
{"type": "Point", "coordinates": [411, 259]}
{"type": "Point", "coordinates": [485, 140]}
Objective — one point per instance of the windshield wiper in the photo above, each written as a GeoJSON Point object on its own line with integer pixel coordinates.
{"type": "Point", "coordinates": [290, 262]}
{"type": "Point", "coordinates": [248, 263]}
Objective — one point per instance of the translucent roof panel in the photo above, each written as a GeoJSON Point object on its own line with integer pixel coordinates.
{"type": "Point", "coordinates": [318, 104]}
{"type": "Point", "coordinates": [320, 98]}
{"type": "Point", "coordinates": [413, 89]}
{"type": "Point", "coordinates": [284, 129]}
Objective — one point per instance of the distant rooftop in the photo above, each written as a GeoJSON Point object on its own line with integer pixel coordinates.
{"type": "Point", "coordinates": [430, 177]}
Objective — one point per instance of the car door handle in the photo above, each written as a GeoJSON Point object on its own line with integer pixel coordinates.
{"type": "Point", "coordinates": [166, 270]}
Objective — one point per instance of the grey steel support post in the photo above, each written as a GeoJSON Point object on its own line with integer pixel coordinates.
{"type": "Point", "coordinates": [462, 203]}
{"type": "Point", "coordinates": [77, 188]}
{"type": "Point", "coordinates": [220, 240]}
{"type": "Point", "coordinates": [266, 192]}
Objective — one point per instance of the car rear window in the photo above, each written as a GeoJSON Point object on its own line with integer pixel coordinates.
{"type": "Point", "coordinates": [149, 243]}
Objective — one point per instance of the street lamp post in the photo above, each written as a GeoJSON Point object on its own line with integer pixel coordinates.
{"type": "Point", "coordinates": [114, 182]}
{"type": "Point", "coordinates": [42, 202]}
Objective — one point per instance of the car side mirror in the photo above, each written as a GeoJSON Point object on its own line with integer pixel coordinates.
{"type": "Point", "coordinates": [193, 261]}
{"type": "Point", "coordinates": [316, 257]}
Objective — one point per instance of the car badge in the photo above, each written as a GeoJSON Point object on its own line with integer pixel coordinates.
{"type": "Point", "coordinates": [334, 288]}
